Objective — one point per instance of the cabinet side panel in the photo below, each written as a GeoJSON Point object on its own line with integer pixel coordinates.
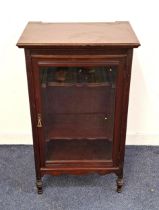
{"type": "Point", "coordinates": [32, 101]}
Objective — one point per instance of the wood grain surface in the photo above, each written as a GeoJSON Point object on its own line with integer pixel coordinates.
{"type": "Point", "coordinates": [51, 34]}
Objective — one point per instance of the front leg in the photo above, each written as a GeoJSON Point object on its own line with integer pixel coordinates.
{"type": "Point", "coordinates": [39, 186]}
{"type": "Point", "coordinates": [120, 181]}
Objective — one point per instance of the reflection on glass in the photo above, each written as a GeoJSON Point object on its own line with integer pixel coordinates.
{"type": "Point", "coordinates": [78, 112]}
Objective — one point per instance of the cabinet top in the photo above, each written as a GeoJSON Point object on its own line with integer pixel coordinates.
{"type": "Point", "coordinates": [117, 34]}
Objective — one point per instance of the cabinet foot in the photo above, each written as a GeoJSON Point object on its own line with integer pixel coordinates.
{"type": "Point", "coordinates": [39, 186]}
{"type": "Point", "coordinates": [119, 182]}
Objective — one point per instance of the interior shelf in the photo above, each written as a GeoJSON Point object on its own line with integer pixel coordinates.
{"type": "Point", "coordinates": [78, 150]}
{"type": "Point", "coordinates": [62, 84]}
{"type": "Point", "coordinates": [79, 126]}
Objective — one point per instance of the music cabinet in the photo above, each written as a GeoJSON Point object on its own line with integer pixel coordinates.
{"type": "Point", "coordinates": [78, 81]}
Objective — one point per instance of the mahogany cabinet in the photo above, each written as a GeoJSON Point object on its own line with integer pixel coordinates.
{"type": "Point", "coordinates": [78, 81]}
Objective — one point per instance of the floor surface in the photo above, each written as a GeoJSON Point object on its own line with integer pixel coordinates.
{"type": "Point", "coordinates": [91, 192]}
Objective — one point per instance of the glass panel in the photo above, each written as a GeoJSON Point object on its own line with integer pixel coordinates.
{"type": "Point", "coordinates": [78, 112]}
{"type": "Point", "coordinates": [53, 76]}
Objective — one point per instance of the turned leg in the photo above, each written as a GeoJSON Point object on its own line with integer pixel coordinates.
{"type": "Point", "coordinates": [39, 186]}
{"type": "Point", "coordinates": [119, 181]}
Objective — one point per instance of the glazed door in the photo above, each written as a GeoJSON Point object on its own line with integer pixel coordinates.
{"type": "Point", "coordinates": [76, 110]}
